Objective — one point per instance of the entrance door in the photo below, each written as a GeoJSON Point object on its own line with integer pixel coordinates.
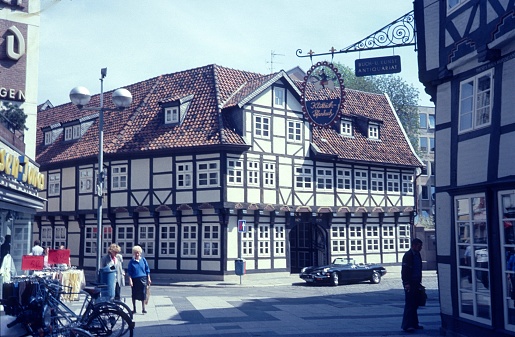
{"type": "Point", "coordinates": [308, 246]}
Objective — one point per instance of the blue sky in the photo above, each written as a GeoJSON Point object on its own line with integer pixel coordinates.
{"type": "Point", "coordinates": [138, 40]}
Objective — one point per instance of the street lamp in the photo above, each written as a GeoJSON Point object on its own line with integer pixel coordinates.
{"type": "Point", "coordinates": [122, 98]}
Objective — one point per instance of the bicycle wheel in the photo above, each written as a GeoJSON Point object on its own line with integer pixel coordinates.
{"type": "Point", "coordinates": [109, 322]}
{"type": "Point", "coordinates": [115, 304]}
{"type": "Point", "coordinates": [70, 332]}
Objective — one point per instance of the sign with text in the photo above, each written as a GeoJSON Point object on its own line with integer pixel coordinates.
{"type": "Point", "coordinates": [59, 256]}
{"type": "Point", "coordinates": [378, 66]}
{"type": "Point", "coordinates": [242, 226]}
{"type": "Point", "coordinates": [32, 262]}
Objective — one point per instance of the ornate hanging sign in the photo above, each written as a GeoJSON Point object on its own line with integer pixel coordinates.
{"type": "Point", "coordinates": [323, 95]}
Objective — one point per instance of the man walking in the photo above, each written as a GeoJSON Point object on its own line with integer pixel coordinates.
{"type": "Point", "coordinates": [411, 280]}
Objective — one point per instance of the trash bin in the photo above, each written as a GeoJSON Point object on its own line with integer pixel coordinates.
{"type": "Point", "coordinates": [107, 276]}
{"type": "Point", "coordinates": [240, 267]}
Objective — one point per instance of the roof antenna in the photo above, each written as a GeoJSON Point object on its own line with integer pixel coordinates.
{"type": "Point", "coordinates": [273, 54]}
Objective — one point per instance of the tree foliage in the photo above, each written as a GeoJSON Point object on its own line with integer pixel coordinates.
{"type": "Point", "coordinates": [13, 116]}
{"type": "Point", "coordinates": [404, 96]}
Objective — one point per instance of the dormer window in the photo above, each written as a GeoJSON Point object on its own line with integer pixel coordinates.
{"type": "Point", "coordinates": [72, 132]}
{"type": "Point", "coordinates": [346, 127]}
{"type": "Point", "coordinates": [48, 137]}
{"type": "Point", "coordinates": [68, 133]}
{"type": "Point", "coordinates": [172, 115]}
{"type": "Point", "coordinates": [76, 131]}
{"type": "Point", "coordinates": [373, 131]}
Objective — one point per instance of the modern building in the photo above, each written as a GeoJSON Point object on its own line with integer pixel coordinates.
{"type": "Point", "coordinates": [426, 151]}
{"type": "Point", "coordinates": [20, 179]}
{"type": "Point", "coordinates": [211, 164]}
{"type": "Point", "coordinates": [467, 64]}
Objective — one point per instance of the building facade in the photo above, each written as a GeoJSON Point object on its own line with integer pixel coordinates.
{"type": "Point", "coordinates": [201, 150]}
{"type": "Point", "coordinates": [467, 64]}
{"type": "Point", "coordinates": [20, 179]}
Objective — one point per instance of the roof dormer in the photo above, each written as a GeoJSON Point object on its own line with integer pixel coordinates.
{"type": "Point", "coordinates": [174, 110]}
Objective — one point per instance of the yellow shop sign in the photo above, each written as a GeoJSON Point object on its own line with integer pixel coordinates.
{"type": "Point", "coordinates": [21, 169]}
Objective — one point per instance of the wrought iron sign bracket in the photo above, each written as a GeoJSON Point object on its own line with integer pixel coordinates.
{"type": "Point", "coordinates": [399, 33]}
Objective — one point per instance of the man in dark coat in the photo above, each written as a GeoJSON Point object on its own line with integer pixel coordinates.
{"type": "Point", "coordinates": [411, 281]}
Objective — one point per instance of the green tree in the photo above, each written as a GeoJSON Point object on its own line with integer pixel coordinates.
{"type": "Point", "coordinates": [13, 116]}
{"type": "Point", "coordinates": [404, 96]}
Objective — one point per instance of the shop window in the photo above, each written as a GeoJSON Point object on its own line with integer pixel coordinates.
{"type": "Point", "coordinates": [355, 239]}
{"type": "Point", "coordinates": [338, 239]}
{"type": "Point", "coordinates": [168, 240]}
{"type": "Point", "coordinates": [279, 240]}
{"type": "Point", "coordinates": [147, 239]}
{"type": "Point", "coordinates": [472, 257]}
{"type": "Point", "coordinates": [507, 230]}
{"type": "Point", "coordinates": [189, 240]}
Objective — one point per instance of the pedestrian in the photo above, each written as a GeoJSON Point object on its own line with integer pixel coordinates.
{"type": "Point", "coordinates": [64, 266]}
{"type": "Point", "coordinates": [37, 250]}
{"type": "Point", "coordinates": [46, 265]}
{"type": "Point", "coordinates": [113, 259]}
{"type": "Point", "coordinates": [139, 278]}
{"type": "Point", "coordinates": [411, 274]}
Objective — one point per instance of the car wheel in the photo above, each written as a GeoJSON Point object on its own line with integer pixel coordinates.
{"type": "Point", "coordinates": [335, 279]}
{"type": "Point", "coordinates": [376, 278]}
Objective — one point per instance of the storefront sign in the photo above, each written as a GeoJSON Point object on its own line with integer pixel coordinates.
{"type": "Point", "coordinates": [323, 95]}
{"type": "Point", "coordinates": [21, 169]}
{"type": "Point", "coordinates": [32, 262]}
{"type": "Point", "coordinates": [378, 66]}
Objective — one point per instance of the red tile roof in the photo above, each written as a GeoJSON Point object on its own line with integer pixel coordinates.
{"type": "Point", "coordinates": [140, 128]}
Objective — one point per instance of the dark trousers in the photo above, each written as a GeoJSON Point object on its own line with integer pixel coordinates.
{"type": "Point", "coordinates": [410, 317]}
{"type": "Point", "coordinates": [117, 291]}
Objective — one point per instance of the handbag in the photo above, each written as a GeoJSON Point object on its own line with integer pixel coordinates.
{"type": "Point", "coordinates": [422, 296]}
{"type": "Point", "coordinates": [147, 297]}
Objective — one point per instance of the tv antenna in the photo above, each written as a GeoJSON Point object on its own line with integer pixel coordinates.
{"type": "Point", "coordinates": [273, 54]}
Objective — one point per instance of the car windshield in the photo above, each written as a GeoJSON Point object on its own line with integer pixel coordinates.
{"type": "Point", "coordinates": [341, 260]}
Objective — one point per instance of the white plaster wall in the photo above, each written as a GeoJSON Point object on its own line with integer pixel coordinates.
{"type": "Point", "coordinates": [85, 202]}
{"type": "Point", "coordinates": [163, 165]}
{"type": "Point", "coordinates": [232, 240]}
{"type": "Point", "coordinates": [68, 200]}
{"type": "Point", "coordinates": [265, 264]}
{"type": "Point", "coordinates": [68, 177]}
{"type": "Point", "coordinates": [139, 173]}
{"type": "Point", "coordinates": [280, 263]}
{"type": "Point", "coordinates": [265, 98]}
{"type": "Point", "coordinates": [508, 97]}
{"type": "Point", "coordinates": [208, 196]}
{"type": "Point", "coordinates": [140, 198]}
{"type": "Point", "coordinates": [293, 103]}
{"type": "Point", "coordinates": [443, 110]}
{"type": "Point", "coordinates": [443, 157]}
{"type": "Point", "coordinates": [444, 221]}
{"type": "Point", "coordinates": [324, 199]}
{"type": "Point", "coordinates": [162, 180]}
{"type": "Point", "coordinates": [507, 154]}
{"type": "Point", "coordinates": [167, 264]}
{"type": "Point", "coordinates": [184, 197]}
{"type": "Point", "coordinates": [444, 286]}
{"type": "Point", "coordinates": [235, 194]}
{"type": "Point", "coordinates": [187, 265]}
{"type": "Point", "coordinates": [210, 265]}
{"type": "Point", "coordinates": [432, 24]}
{"type": "Point", "coordinates": [471, 170]}
{"type": "Point", "coordinates": [389, 258]}
{"type": "Point", "coordinates": [118, 199]}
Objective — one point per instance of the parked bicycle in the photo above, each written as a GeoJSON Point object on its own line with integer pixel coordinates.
{"type": "Point", "coordinates": [45, 314]}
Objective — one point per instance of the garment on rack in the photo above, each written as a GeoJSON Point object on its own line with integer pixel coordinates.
{"type": "Point", "coordinates": [8, 269]}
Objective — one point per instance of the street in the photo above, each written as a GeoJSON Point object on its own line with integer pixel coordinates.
{"type": "Point", "coordinates": [263, 309]}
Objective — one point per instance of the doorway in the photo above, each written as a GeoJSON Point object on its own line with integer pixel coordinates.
{"type": "Point", "coordinates": [308, 246]}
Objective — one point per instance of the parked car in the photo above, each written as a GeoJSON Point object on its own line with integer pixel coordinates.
{"type": "Point", "coordinates": [341, 271]}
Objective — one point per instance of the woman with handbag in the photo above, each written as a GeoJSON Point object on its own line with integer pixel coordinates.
{"type": "Point", "coordinates": [113, 259]}
{"type": "Point", "coordinates": [139, 277]}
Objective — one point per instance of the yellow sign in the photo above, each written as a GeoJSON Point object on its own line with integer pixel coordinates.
{"type": "Point", "coordinates": [21, 169]}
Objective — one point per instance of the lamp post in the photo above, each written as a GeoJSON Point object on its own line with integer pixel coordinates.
{"type": "Point", "coordinates": [122, 98]}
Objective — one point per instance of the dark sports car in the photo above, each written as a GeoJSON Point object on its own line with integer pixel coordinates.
{"type": "Point", "coordinates": [343, 271]}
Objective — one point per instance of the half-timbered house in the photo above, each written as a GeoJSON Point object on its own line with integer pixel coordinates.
{"type": "Point", "coordinates": [200, 149]}
{"type": "Point", "coordinates": [467, 64]}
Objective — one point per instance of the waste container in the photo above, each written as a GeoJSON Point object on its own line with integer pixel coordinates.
{"type": "Point", "coordinates": [107, 277]}
{"type": "Point", "coordinates": [240, 267]}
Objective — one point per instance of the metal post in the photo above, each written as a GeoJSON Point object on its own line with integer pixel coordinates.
{"type": "Point", "coordinates": [100, 178]}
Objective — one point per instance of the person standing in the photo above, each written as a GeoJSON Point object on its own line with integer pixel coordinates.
{"type": "Point", "coordinates": [114, 261]}
{"type": "Point", "coordinates": [411, 274]}
{"type": "Point", "coordinates": [37, 250]}
{"type": "Point", "coordinates": [139, 277]}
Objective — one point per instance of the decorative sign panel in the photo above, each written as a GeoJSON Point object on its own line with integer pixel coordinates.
{"type": "Point", "coordinates": [378, 66]}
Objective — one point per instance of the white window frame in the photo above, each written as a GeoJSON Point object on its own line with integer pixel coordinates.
{"type": "Point", "coordinates": [47, 237]}
{"type": "Point", "coordinates": [361, 180]}
{"type": "Point", "coordinates": [125, 235]}
{"type": "Point", "coordinates": [373, 243]}
{"type": "Point", "coordinates": [48, 137]}
{"type": "Point", "coordinates": [184, 175]}
{"type": "Point", "coordinates": [279, 241]}
{"type": "Point", "coordinates": [324, 178]}
{"type": "Point", "coordinates": [294, 131]}
{"type": "Point", "coordinates": [403, 237]}
{"type": "Point", "coordinates": [261, 126]}
{"type": "Point", "coordinates": [377, 181]}
{"type": "Point", "coordinates": [211, 240]}
{"type": "Point", "coordinates": [234, 171]}
{"type": "Point", "coordinates": [119, 177]}
{"type": "Point", "coordinates": [346, 128]}
{"type": "Point", "coordinates": [189, 240]}
{"type": "Point", "coordinates": [247, 242]}
{"type": "Point", "coordinates": [172, 115]}
{"type": "Point", "coordinates": [392, 182]}
{"type": "Point", "coordinates": [407, 184]}
{"type": "Point", "coordinates": [90, 240]}
{"type": "Point", "coordinates": [60, 236]}
{"type": "Point", "coordinates": [147, 238]}
{"type": "Point", "coordinates": [344, 179]}
{"type": "Point", "coordinates": [355, 239]}
{"type": "Point", "coordinates": [86, 180]}
{"type": "Point", "coordinates": [279, 97]}
{"type": "Point", "coordinates": [208, 174]}
{"type": "Point", "coordinates": [431, 121]}
{"type": "Point", "coordinates": [268, 174]}
{"type": "Point", "coordinates": [304, 178]}
{"type": "Point", "coordinates": [373, 131]}
{"type": "Point", "coordinates": [422, 120]}
{"type": "Point", "coordinates": [263, 240]}
{"type": "Point", "coordinates": [253, 173]}
{"type": "Point", "coordinates": [168, 240]}
{"type": "Point", "coordinates": [338, 239]}
{"type": "Point", "coordinates": [54, 184]}
{"type": "Point", "coordinates": [76, 131]}
{"type": "Point", "coordinates": [474, 115]}
{"type": "Point", "coordinates": [68, 133]}
{"type": "Point", "coordinates": [388, 238]}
